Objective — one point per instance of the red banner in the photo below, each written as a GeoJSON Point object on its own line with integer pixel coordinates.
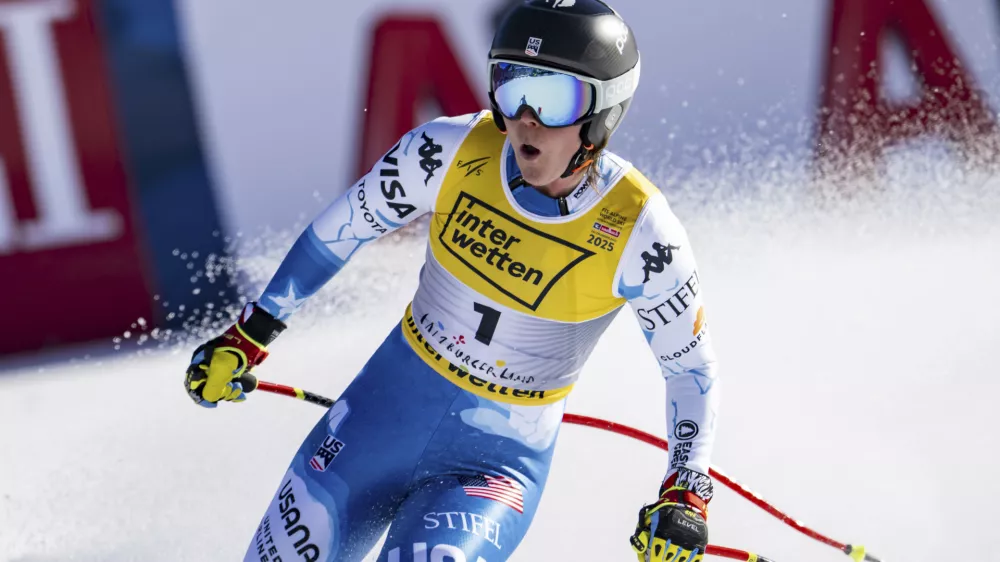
{"type": "Point", "coordinates": [71, 264]}
{"type": "Point", "coordinates": [856, 120]}
{"type": "Point", "coordinates": [412, 62]}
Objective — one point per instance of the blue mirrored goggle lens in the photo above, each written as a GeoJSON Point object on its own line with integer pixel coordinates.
{"type": "Point", "coordinates": [558, 99]}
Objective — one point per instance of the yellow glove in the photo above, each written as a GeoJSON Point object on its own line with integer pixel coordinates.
{"type": "Point", "coordinates": [674, 528]}
{"type": "Point", "coordinates": [216, 366]}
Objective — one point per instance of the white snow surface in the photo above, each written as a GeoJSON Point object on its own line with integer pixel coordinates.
{"type": "Point", "coordinates": [858, 344]}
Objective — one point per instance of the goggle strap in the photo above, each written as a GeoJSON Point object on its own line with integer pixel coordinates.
{"type": "Point", "coordinates": [614, 92]}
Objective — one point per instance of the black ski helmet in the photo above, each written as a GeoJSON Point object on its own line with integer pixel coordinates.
{"type": "Point", "coordinates": [585, 37]}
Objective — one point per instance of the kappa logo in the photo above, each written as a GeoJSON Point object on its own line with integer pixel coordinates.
{"type": "Point", "coordinates": [474, 166]}
{"type": "Point", "coordinates": [427, 151]}
{"type": "Point", "coordinates": [534, 44]}
{"type": "Point", "coordinates": [655, 264]}
{"type": "Point", "coordinates": [518, 260]}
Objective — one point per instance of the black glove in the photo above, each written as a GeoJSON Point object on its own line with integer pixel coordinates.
{"type": "Point", "coordinates": [675, 528]}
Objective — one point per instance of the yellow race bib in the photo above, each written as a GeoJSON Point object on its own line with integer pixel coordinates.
{"type": "Point", "coordinates": [558, 268]}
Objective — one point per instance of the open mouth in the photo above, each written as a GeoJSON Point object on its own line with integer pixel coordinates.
{"type": "Point", "coordinates": [530, 152]}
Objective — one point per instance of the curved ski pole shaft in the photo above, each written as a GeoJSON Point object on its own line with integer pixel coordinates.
{"type": "Point", "coordinates": [723, 552]}
{"type": "Point", "coordinates": [858, 553]}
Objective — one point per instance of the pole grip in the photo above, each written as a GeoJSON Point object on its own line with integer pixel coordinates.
{"type": "Point", "coordinates": [859, 553]}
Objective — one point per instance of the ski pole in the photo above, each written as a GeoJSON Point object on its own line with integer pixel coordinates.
{"type": "Point", "coordinates": [856, 552]}
{"type": "Point", "coordinates": [250, 383]}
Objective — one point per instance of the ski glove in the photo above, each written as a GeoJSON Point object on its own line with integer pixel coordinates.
{"type": "Point", "coordinates": [675, 528]}
{"type": "Point", "coordinates": [216, 366]}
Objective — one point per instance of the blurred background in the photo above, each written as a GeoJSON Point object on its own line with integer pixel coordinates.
{"type": "Point", "coordinates": [835, 163]}
{"type": "Point", "coordinates": [140, 140]}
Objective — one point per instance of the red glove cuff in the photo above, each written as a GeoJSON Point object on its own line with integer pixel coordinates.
{"type": "Point", "coordinates": [690, 488]}
{"type": "Point", "coordinates": [253, 331]}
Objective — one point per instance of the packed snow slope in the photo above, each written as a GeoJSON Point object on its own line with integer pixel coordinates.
{"type": "Point", "coordinates": [859, 346]}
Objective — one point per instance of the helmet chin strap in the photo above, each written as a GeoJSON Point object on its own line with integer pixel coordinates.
{"type": "Point", "coordinates": [579, 160]}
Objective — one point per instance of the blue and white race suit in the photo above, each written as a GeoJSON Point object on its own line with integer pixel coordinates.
{"type": "Point", "coordinates": [446, 435]}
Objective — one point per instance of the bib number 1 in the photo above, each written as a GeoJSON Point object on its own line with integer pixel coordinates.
{"type": "Point", "coordinates": [488, 325]}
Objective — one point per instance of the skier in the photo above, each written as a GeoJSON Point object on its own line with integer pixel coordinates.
{"type": "Point", "coordinates": [538, 237]}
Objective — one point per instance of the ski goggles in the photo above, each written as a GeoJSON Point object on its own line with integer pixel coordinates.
{"type": "Point", "coordinates": [557, 98]}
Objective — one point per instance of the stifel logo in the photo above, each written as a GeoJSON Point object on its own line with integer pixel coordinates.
{"type": "Point", "coordinates": [519, 261]}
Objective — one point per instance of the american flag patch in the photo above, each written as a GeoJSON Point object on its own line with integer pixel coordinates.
{"type": "Point", "coordinates": [501, 489]}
